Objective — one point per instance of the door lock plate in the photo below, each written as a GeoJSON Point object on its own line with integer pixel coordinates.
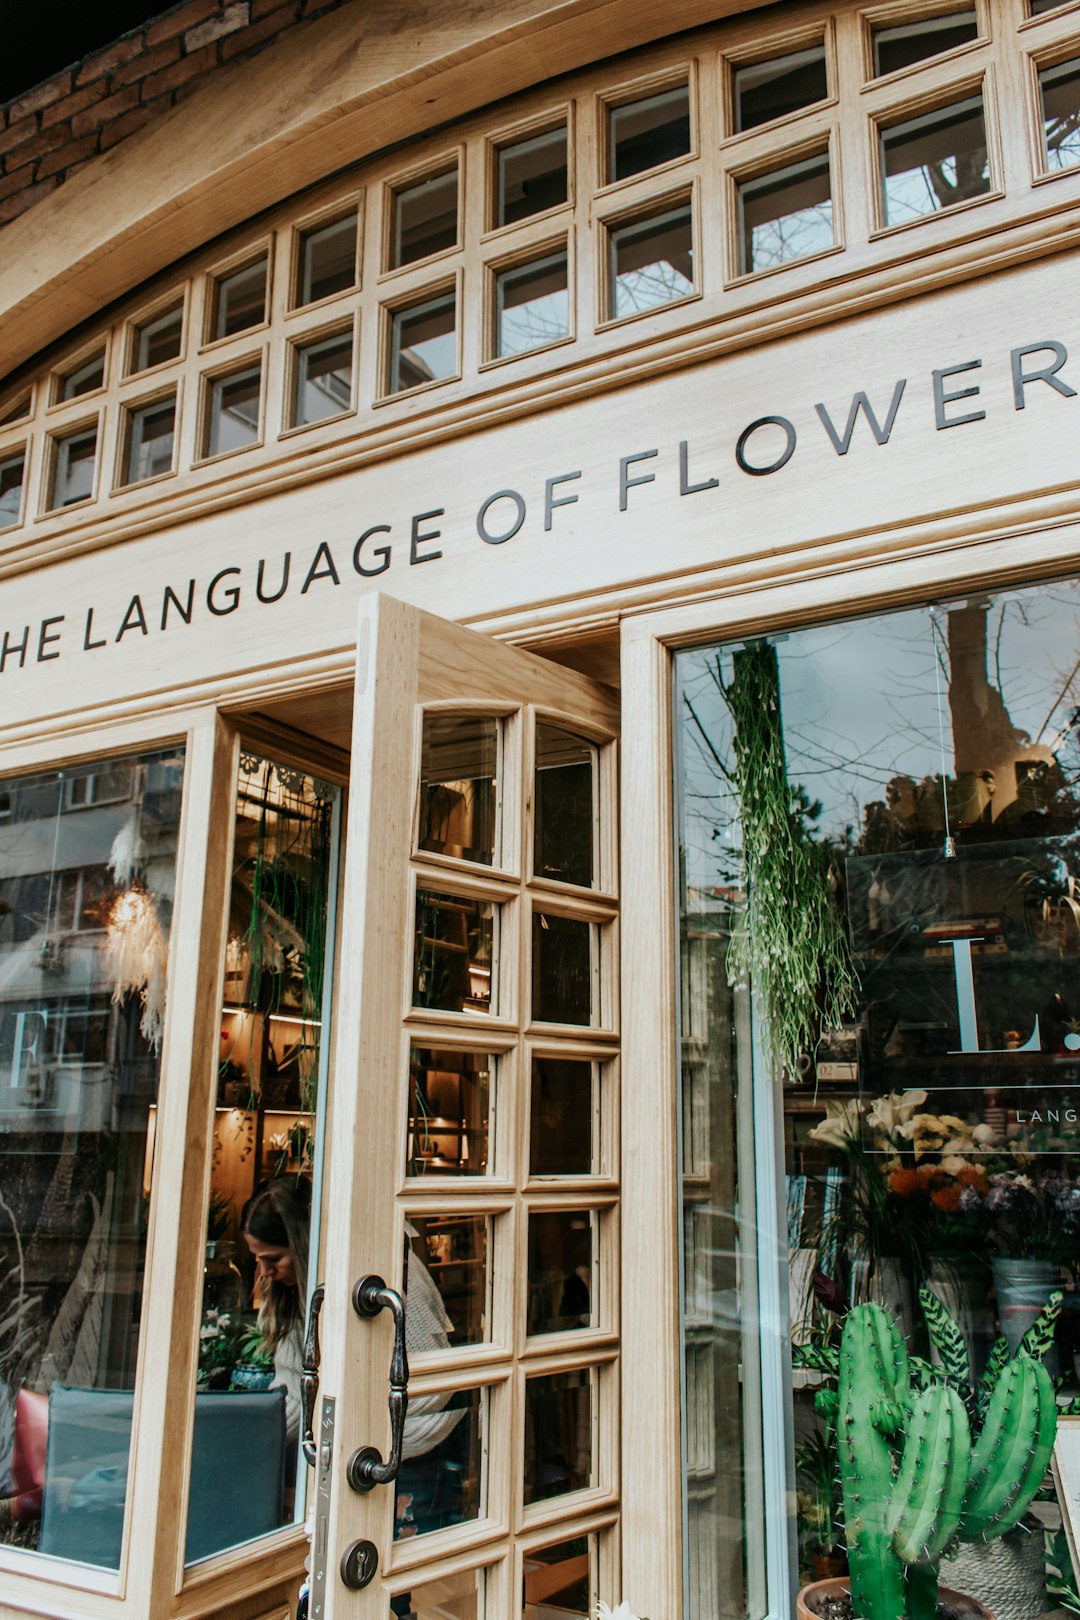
{"type": "Point", "coordinates": [324, 1457]}
{"type": "Point", "coordinates": [359, 1562]}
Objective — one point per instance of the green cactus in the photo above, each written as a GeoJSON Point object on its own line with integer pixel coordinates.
{"type": "Point", "coordinates": [910, 1477]}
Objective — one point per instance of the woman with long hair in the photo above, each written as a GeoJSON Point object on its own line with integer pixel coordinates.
{"type": "Point", "coordinates": [276, 1226]}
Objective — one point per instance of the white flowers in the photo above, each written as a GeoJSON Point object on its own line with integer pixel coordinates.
{"type": "Point", "coordinates": [838, 1129]}
{"type": "Point", "coordinates": [623, 1612]}
{"type": "Point", "coordinates": [892, 1112]}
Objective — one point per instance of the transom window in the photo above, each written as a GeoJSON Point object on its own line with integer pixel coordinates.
{"type": "Point", "coordinates": [663, 183]}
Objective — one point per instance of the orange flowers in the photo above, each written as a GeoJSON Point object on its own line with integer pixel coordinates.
{"type": "Point", "coordinates": [941, 1186]}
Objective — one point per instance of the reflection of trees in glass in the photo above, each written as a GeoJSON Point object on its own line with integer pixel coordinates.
{"type": "Point", "coordinates": [934, 185]}
{"type": "Point", "coordinates": [791, 236]}
{"type": "Point", "coordinates": [652, 284]}
{"type": "Point", "coordinates": [532, 324]}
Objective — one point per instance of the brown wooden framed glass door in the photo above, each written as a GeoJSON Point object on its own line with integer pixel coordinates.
{"type": "Point", "coordinates": [473, 1137]}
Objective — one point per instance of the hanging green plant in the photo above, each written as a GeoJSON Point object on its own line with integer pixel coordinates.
{"type": "Point", "coordinates": [791, 939]}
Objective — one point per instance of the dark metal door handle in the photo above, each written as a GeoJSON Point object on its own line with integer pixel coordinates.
{"type": "Point", "coordinates": [309, 1379]}
{"type": "Point", "coordinates": [366, 1468]}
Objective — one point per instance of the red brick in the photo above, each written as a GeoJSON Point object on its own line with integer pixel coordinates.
{"type": "Point", "coordinates": [251, 38]}
{"type": "Point", "coordinates": [121, 128]}
{"type": "Point", "coordinates": [122, 50]}
{"type": "Point", "coordinates": [43, 96]}
{"type": "Point", "coordinates": [11, 183]}
{"type": "Point", "coordinates": [180, 73]}
{"type": "Point", "coordinates": [233, 17]}
{"type": "Point", "coordinates": [74, 152]}
{"type": "Point", "coordinates": [177, 22]}
{"type": "Point", "coordinates": [112, 106]}
{"type": "Point", "coordinates": [14, 206]}
{"type": "Point", "coordinates": [46, 140]}
{"type": "Point", "coordinates": [75, 103]}
{"type": "Point", "coordinates": [21, 131]}
{"type": "Point", "coordinates": [149, 62]}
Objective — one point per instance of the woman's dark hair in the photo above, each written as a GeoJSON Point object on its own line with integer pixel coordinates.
{"type": "Point", "coordinates": [278, 1213]}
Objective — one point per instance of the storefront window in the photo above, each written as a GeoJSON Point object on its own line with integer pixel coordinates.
{"type": "Point", "coordinates": [261, 1238]}
{"type": "Point", "coordinates": [880, 847]}
{"type": "Point", "coordinates": [87, 870]}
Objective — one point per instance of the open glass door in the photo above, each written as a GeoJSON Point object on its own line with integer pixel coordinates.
{"type": "Point", "coordinates": [473, 1141]}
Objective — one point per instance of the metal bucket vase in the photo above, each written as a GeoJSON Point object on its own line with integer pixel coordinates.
{"type": "Point", "coordinates": [1008, 1574]}
{"type": "Point", "coordinates": [1023, 1288]}
{"type": "Point", "coordinates": [806, 1602]}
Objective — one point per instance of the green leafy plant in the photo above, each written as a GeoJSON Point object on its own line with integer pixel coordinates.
{"type": "Point", "coordinates": [911, 1478]}
{"type": "Point", "coordinates": [791, 938]}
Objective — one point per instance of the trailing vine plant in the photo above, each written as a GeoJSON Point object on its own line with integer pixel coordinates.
{"type": "Point", "coordinates": [790, 940]}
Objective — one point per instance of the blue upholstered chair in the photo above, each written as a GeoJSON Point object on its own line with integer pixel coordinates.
{"type": "Point", "coordinates": [86, 1470]}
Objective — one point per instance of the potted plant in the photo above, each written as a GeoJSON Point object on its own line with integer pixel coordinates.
{"type": "Point", "coordinates": [255, 1368]}
{"type": "Point", "coordinates": [910, 1477]}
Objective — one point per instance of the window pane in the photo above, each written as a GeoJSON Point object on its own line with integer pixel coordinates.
{"type": "Point", "coordinates": [564, 1117]}
{"type": "Point", "coordinates": [85, 378]}
{"type": "Point", "coordinates": [327, 260]}
{"type": "Point", "coordinates": [532, 306]}
{"type": "Point", "coordinates": [425, 219]}
{"type": "Point", "coordinates": [73, 468]}
{"type": "Point", "coordinates": [423, 345]}
{"type": "Point", "coordinates": [562, 969]}
{"type": "Point", "coordinates": [934, 161]}
{"type": "Point", "coordinates": [151, 433]}
{"type": "Point", "coordinates": [785, 216]}
{"type": "Point", "coordinates": [85, 910]}
{"type": "Point", "coordinates": [441, 1482]}
{"type": "Point", "coordinates": [532, 176]}
{"type": "Point", "coordinates": [558, 1434]}
{"type": "Point", "coordinates": [448, 1275]}
{"type": "Point", "coordinates": [159, 339]}
{"type": "Point", "coordinates": [644, 133]}
{"type": "Point", "coordinates": [450, 1104]}
{"type": "Point", "coordinates": [779, 87]}
{"type": "Point", "coordinates": [452, 967]}
{"type": "Point", "coordinates": [652, 262]}
{"type": "Point", "coordinates": [240, 300]}
{"type": "Point", "coordinates": [566, 808]}
{"type": "Point", "coordinates": [559, 1580]}
{"type": "Point", "coordinates": [451, 1597]}
{"type": "Point", "coordinates": [458, 788]}
{"type": "Point", "coordinates": [900, 46]}
{"type": "Point", "coordinates": [1037, 7]}
{"type": "Point", "coordinates": [233, 414]}
{"type": "Point", "coordinates": [561, 1285]}
{"type": "Point", "coordinates": [261, 1242]}
{"type": "Point", "coordinates": [1059, 88]}
{"type": "Point", "coordinates": [323, 379]}
{"type": "Point", "coordinates": [12, 473]}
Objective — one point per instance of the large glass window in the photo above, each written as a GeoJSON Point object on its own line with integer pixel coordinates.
{"type": "Point", "coordinates": [880, 901]}
{"type": "Point", "coordinates": [87, 868]}
{"type": "Point", "coordinates": [261, 1237]}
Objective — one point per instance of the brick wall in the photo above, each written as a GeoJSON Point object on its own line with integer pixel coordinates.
{"type": "Point", "coordinates": [55, 129]}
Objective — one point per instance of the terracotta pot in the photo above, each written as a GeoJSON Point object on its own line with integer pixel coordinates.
{"type": "Point", "coordinates": [832, 1588]}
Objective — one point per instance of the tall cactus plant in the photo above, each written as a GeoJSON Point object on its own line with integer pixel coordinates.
{"type": "Point", "coordinates": [912, 1480]}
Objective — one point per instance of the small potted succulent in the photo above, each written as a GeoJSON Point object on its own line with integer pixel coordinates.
{"type": "Point", "coordinates": [912, 1481]}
